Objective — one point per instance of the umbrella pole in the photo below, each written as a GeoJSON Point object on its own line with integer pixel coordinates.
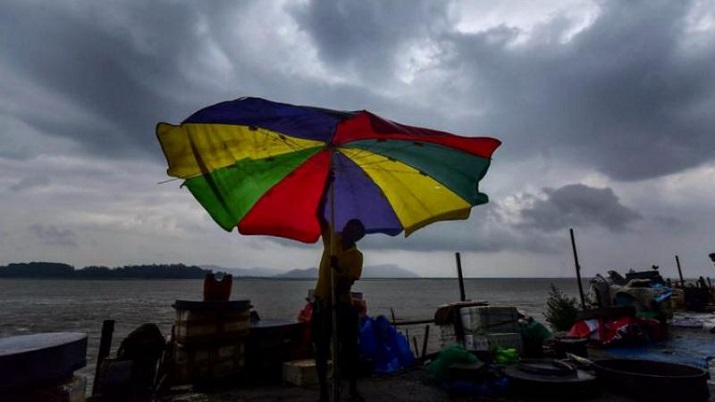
{"type": "Point", "coordinates": [333, 299]}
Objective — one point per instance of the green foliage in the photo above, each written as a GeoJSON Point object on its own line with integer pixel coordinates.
{"type": "Point", "coordinates": [561, 310]}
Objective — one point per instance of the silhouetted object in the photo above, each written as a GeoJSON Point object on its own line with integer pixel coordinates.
{"type": "Point", "coordinates": [680, 271]}
{"type": "Point", "coordinates": [144, 347]}
{"type": "Point", "coordinates": [335, 320]}
{"type": "Point", "coordinates": [130, 377]}
{"type": "Point", "coordinates": [649, 276]}
{"type": "Point", "coordinates": [217, 290]}
{"type": "Point", "coordinates": [105, 345]}
{"type": "Point", "coordinates": [696, 298]}
{"type": "Point", "coordinates": [462, 296]}
{"type": "Point", "coordinates": [37, 367]}
{"type": "Point", "coordinates": [578, 270]}
{"type": "Point", "coordinates": [701, 283]}
{"type": "Point", "coordinates": [651, 380]}
{"type": "Point", "coordinates": [617, 278]}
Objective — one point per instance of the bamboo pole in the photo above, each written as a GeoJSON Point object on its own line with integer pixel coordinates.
{"type": "Point", "coordinates": [680, 271]}
{"type": "Point", "coordinates": [578, 270]}
{"type": "Point", "coordinates": [462, 296]}
{"type": "Point", "coordinates": [424, 341]}
{"type": "Point", "coordinates": [333, 299]}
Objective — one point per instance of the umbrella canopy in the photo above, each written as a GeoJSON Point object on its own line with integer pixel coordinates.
{"type": "Point", "coordinates": [266, 168]}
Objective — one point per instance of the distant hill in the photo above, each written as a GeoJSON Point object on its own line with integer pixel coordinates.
{"type": "Point", "coordinates": [244, 272]}
{"type": "Point", "coordinates": [55, 270]}
{"type": "Point", "coordinates": [308, 273]}
{"type": "Point", "coordinates": [371, 271]}
{"type": "Point", "coordinates": [387, 271]}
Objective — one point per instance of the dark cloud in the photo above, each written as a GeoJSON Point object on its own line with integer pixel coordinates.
{"type": "Point", "coordinates": [30, 182]}
{"type": "Point", "coordinates": [53, 236]}
{"type": "Point", "coordinates": [486, 231]}
{"type": "Point", "coordinates": [630, 96]}
{"type": "Point", "coordinates": [577, 205]}
{"type": "Point", "coordinates": [367, 37]}
{"type": "Point", "coordinates": [538, 227]}
{"type": "Point", "coordinates": [626, 95]}
{"type": "Point", "coordinates": [120, 77]}
{"type": "Point", "coordinates": [672, 224]}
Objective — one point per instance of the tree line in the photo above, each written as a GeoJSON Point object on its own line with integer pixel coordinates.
{"type": "Point", "coordinates": [56, 270]}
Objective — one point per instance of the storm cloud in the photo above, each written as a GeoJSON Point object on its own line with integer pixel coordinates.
{"type": "Point", "coordinates": [604, 109]}
{"type": "Point", "coordinates": [581, 206]}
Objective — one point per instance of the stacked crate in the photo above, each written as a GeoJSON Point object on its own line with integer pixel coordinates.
{"type": "Point", "coordinates": [449, 324]}
{"type": "Point", "coordinates": [488, 327]}
{"type": "Point", "coordinates": [210, 340]}
{"type": "Point", "coordinates": [447, 336]}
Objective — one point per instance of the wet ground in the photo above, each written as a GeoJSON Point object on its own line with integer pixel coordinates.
{"type": "Point", "coordinates": [407, 386]}
{"type": "Point", "coordinates": [685, 346]}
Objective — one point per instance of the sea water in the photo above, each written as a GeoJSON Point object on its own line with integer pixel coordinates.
{"type": "Point", "coordinates": [32, 306]}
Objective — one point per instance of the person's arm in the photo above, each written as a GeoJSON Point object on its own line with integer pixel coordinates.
{"type": "Point", "coordinates": [327, 234]}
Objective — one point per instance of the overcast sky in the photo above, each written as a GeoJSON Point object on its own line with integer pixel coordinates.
{"type": "Point", "coordinates": [606, 111]}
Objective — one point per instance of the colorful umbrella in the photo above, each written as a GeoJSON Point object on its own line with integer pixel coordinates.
{"type": "Point", "coordinates": [266, 168]}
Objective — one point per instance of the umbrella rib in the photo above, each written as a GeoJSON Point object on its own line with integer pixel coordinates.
{"type": "Point", "coordinates": [290, 143]}
{"type": "Point", "coordinates": [169, 180]}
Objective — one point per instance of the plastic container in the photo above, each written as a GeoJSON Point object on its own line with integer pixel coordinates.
{"type": "Point", "coordinates": [653, 380]}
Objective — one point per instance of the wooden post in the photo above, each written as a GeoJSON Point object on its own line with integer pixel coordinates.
{"type": "Point", "coordinates": [462, 296]}
{"type": "Point", "coordinates": [578, 270]}
{"type": "Point", "coordinates": [680, 272]}
{"type": "Point", "coordinates": [424, 341]}
{"type": "Point", "coordinates": [105, 345]}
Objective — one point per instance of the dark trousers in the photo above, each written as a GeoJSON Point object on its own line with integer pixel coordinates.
{"type": "Point", "coordinates": [347, 327]}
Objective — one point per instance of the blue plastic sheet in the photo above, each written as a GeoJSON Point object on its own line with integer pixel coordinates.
{"type": "Point", "coordinates": [388, 349]}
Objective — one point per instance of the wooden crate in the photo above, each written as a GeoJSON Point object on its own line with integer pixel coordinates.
{"type": "Point", "coordinates": [447, 336]}
{"type": "Point", "coordinates": [211, 322]}
{"type": "Point", "coordinates": [677, 300]}
{"type": "Point", "coordinates": [476, 343]}
{"type": "Point", "coordinates": [208, 363]}
{"type": "Point", "coordinates": [303, 372]}
{"type": "Point", "coordinates": [270, 344]}
{"type": "Point", "coordinates": [489, 319]}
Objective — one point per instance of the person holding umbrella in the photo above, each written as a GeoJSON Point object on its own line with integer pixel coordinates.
{"type": "Point", "coordinates": [276, 169]}
{"type": "Point", "coordinates": [345, 261]}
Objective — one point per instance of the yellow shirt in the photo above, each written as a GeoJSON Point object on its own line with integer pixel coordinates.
{"type": "Point", "coordinates": [349, 264]}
